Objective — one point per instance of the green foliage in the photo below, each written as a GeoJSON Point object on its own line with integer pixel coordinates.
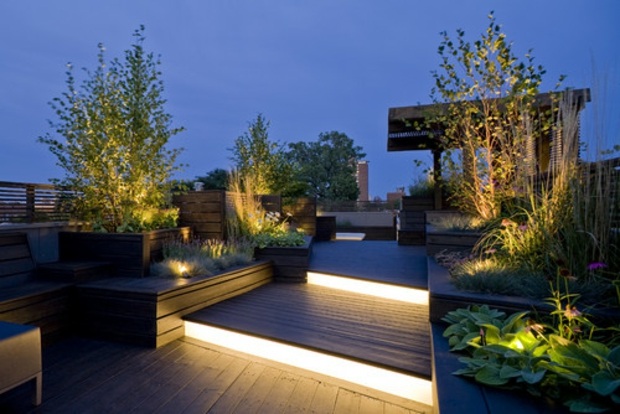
{"type": "Point", "coordinates": [279, 237]}
{"type": "Point", "coordinates": [111, 138]}
{"type": "Point", "coordinates": [490, 115]}
{"type": "Point", "coordinates": [252, 222]}
{"type": "Point", "coordinates": [216, 179]}
{"type": "Point", "coordinates": [201, 258]}
{"type": "Point", "coordinates": [489, 275]}
{"type": "Point", "coordinates": [328, 166]}
{"type": "Point", "coordinates": [557, 225]}
{"type": "Point", "coordinates": [554, 360]}
{"type": "Point", "coordinates": [422, 187]}
{"type": "Point", "coordinates": [262, 160]}
{"type": "Point", "coordinates": [460, 222]}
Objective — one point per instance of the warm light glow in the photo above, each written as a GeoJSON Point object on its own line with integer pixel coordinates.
{"type": "Point", "coordinates": [401, 293]}
{"type": "Point", "coordinates": [182, 269]}
{"type": "Point", "coordinates": [394, 383]}
{"type": "Point", "coordinates": [350, 236]}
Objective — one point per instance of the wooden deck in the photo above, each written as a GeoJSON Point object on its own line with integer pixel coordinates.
{"type": "Point", "coordinates": [186, 376]}
{"type": "Point", "coordinates": [380, 332]}
{"type": "Point", "coordinates": [379, 261]}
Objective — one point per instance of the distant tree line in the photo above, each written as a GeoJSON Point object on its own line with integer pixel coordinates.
{"type": "Point", "coordinates": [324, 168]}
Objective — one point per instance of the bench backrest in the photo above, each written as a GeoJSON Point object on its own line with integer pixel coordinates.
{"type": "Point", "coordinates": [16, 263]}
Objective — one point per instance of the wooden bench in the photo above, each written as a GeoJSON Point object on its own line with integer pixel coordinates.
{"type": "Point", "coordinates": [35, 295]}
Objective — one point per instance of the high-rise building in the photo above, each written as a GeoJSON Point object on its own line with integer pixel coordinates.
{"type": "Point", "coordinates": [362, 180]}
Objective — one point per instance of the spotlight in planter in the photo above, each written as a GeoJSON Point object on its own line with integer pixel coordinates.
{"type": "Point", "coordinates": [183, 270]}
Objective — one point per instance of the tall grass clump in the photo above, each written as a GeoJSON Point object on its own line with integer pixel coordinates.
{"type": "Point", "coordinates": [250, 220]}
{"type": "Point", "coordinates": [201, 257]}
{"type": "Point", "coordinates": [562, 223]}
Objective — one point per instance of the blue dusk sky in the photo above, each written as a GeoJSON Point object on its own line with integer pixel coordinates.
{"type": "Point", "coordinates": [307, 66]}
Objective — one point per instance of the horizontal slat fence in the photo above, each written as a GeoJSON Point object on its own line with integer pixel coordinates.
{"type": "Point", "coordinates": [29, 203]}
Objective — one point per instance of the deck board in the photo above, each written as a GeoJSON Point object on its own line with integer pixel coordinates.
{"type": "Point", "coordinates": [377, 331]}
{"type": "Point", "coordinates": [185, 376]}
{"type": "Point", "coordinates": [378, 261]}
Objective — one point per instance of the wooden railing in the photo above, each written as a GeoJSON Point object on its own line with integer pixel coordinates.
{"type": "Point", "coordinates": [29, 203]}
{"type": "Point", "coordinates": [363, 206]}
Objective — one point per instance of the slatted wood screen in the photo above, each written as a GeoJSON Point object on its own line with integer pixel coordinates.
{"type": "Point", "coordinates": [28, 203]}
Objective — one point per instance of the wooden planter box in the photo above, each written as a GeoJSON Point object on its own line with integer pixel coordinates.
{"type": "Point", "coordinates": [130, 254]}
{"type": "Point", "coordinates": [455, 394]}
{"type": "Point", "coordinates": [452, 241]}
{"type": "Point", "coordinates": [325, 228]}
{"type": "Point", "coordinates": [290, 264]}
{"type": "Point", "coordinates": [149, 311]}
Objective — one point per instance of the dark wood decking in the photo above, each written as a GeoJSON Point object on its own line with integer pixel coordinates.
{"type": "Point", "coordinates": [186, 376]}
{"type": "Point", "coordinates": [386, 333]}
{"type": "Point", "coordinates": [380, 261]}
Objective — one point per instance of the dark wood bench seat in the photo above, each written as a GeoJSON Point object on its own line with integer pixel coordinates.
{"type": "Point", "coordinates": [39, 296]}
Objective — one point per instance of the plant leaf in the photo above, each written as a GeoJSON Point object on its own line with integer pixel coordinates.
{"type": "Point", "coordinates": [532, 377]}
{"type": "Point", "coordinates": [604, 383]}
{"type": "Point", "coordinates": [490, 375]}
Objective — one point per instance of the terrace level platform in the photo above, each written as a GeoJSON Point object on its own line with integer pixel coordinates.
{"type": "Point", "coordinates": [315, 322]}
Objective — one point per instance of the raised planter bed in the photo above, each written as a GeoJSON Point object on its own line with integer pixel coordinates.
{"type": "Point", "coordinates": [438, 240]}
{"type": "Point", "coordinates": [129, 254]}
{"type": "Point", "coordinates": [444, 297]}
{"type": "Point", "coordinates": [290, 264]}
{"type": "Point", "coordinates": [454, 394]}
{"type": "Point", "coordinates": [148, 311]}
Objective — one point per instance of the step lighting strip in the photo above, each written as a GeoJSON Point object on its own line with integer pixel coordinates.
{"type": "Point", "coordinates": [403, 294]}
{"type": "Point", "coordinates": [380, 379]}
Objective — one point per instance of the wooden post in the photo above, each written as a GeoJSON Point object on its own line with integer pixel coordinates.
{"type": "Point", "coordinates": [30, 203]}
{"type": "Point", "coordinates": [437, 178]}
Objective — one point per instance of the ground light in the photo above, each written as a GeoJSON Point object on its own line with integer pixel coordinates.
{"type": "Point", "coordinates": [400, 293]}
{"type": "Point", "coordinates": [391, 382]}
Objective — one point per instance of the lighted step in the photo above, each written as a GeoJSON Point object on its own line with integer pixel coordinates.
{"type": "Point", "coordinates": [395, 383]}
{"type": "Point", "coordinates": [382, 290]}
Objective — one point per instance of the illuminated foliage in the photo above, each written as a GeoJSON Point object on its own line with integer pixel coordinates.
{"type": "Point", "coordinates": [491, 117]}
{"type": "Point", "coordinates": [110, 138]}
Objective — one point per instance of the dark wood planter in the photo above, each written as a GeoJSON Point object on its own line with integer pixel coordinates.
{"type": "Point", "coordinates": [290, 264]}
{"type": "Point", "coordinates": [129, 254]}
{"type": "Point", "coordinates": [149, 311]}
{"type": "Point", "coordinates": [325, 228]}
{"type": "Point", "coordinates": [452, 241]}
{"type": "Point", "coordinates": [455, 394]}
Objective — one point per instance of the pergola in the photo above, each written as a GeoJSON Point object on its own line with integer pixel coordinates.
{"type": "Point", "coordinates": [408, 130]}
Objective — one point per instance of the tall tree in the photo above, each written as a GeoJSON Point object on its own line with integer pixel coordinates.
{"type": "Point", "coordinates": [216, 179]}
{"type": "Point", "coordinates": [261, 163]}
{"type": "Point", "coordinates": [328, 166]}
{"type": "Point", "coordinates": [111, 137]}
{"type": "Point", "coordinates": [491, 116]}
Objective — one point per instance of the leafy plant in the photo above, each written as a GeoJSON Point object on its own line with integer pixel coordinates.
{"type": "Point", "coordinates": [551, 359]}
{"type": "Point", "coordinates": [114, 136]}
{"type": "Point", "coordinates": [261, 161]}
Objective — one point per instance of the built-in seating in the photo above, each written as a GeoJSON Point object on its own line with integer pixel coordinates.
{"type": "Point", "coordinates": [20, 358]}
{"type": "Point", "coordinates": [38, 295]}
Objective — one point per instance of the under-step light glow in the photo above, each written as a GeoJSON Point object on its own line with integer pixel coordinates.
{"type": "Point", "coordinates": [412, 388]}
{"type": "Point", "coordinates": [350, 236]}
{"type": "Point", "coordinates": [401, 293]}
